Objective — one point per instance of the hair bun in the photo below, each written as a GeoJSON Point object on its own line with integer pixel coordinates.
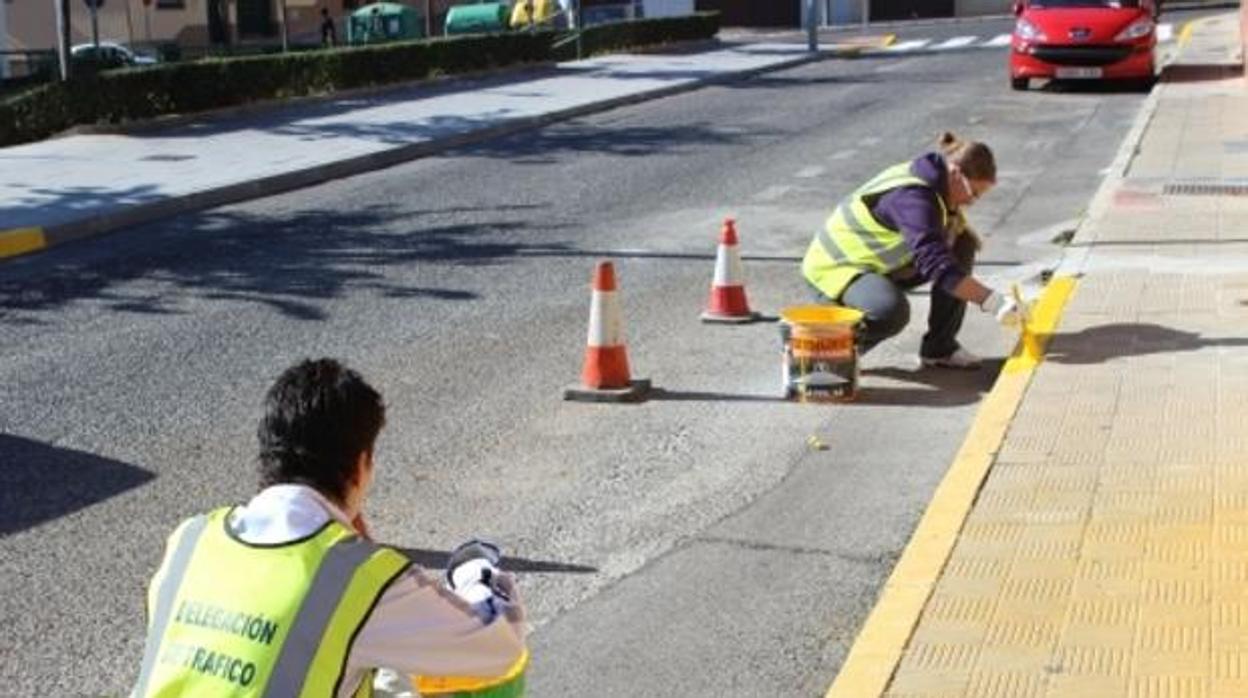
{"type": "Point", "coordinates": [948, 138]}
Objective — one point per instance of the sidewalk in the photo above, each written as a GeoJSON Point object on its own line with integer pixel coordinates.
{"type": "Point", "coordinates": [67, 188]}
{"type": "Point", "coordinates": [1092, 537]}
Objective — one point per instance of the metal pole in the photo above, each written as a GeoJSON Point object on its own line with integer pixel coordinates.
{"type": "Point", "coordinates": [95, 28]}
{"type": "Point", "coordinates": [812, 29]}
{"type": "Point", "coordinates": [428, 19]}
{"type": "Point", "coordinates": [129, 24]}
{"type": "Point", "coordinates": [4, 41]}
{"type": "Point", "coordinates": [285, 30]}
{"type": "Point", "coordinates": [147, 21]}
{"type": "Point", "coordinates": [866, 14]}
{"type": "Point", "coordinates": [62, 36]}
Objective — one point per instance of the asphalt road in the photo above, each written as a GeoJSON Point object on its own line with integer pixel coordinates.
{"type": "Point", "coordinates": [695, 545]}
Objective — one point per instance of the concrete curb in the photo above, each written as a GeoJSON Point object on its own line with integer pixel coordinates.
{"type": "Point", "coordinates": [878, 649]}
{"type": "Point", "coordinates": [61, 233]}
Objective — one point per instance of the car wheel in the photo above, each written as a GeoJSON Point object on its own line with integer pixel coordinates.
{"type": "Point", "coordinates": [1019, 83]}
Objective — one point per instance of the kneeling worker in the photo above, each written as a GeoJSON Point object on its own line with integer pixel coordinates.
{"type": "Point", "coordinates": [904, 228]}
{"type": "Point", "coordinates": [288, 595]}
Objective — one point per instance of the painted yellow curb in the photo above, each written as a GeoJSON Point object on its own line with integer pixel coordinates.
{"type": "Point", "coordinates": [877, 651]}
{"type": "Point", "coordinates": [1185, 34]}
{"type": "Point", "coordinates": [20, 241]}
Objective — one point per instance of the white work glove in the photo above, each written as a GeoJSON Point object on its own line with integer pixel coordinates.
{"type": "Point", "coordinates": [473, 574]}
{"type": "Point", "coordinates": [1005, 309]}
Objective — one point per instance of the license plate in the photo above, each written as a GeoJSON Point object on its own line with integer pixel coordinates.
{"type": "Point", "coordinates": [1078, 73]}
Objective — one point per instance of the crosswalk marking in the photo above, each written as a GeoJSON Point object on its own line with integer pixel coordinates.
{"type": "Point", "coordinates": [955, 42]}
{"type": "Point", "coordinates": [907, 45]}
{"type": "Point", "coordinates": [1165, 33]}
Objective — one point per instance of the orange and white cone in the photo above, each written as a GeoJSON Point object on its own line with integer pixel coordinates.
{"type": "Point", "coordinates": [605, 376]}
{"type": "Point", "coordinates": [727, 302]}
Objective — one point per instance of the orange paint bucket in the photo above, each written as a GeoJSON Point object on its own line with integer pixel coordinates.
{"type": "Point", "coordinates": [820, 360]}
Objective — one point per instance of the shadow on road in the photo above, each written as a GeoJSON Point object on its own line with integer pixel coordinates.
{"type": "Point", "coordinates": [292, 263]}
{"type": "Point", "coordinates": [40, 483]}
{"type": "Point", "coordinates": [929, 387]}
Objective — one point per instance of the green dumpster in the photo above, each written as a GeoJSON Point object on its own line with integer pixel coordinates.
{"type": "Point", "coordinates": [384, 21]}
{"type": "Point", "coordinates": [482, 18]}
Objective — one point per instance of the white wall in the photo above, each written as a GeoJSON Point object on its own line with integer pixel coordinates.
{"type": "Point", "coordinates": [665, 8]}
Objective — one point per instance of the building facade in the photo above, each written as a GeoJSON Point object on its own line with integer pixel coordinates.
{"type": "Point", "coordinates": [30, 25]}
{"type": "Point", "coordinates": [792, 13]}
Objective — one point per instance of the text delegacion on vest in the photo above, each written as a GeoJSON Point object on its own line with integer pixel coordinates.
{"type": "Point", "coordinates": [242, 624]}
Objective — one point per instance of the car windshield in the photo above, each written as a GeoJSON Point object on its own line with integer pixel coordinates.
{"type": "Point", "coordinates": [1115, 4]}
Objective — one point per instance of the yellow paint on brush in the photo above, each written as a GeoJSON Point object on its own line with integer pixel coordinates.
{"type": "Point", "coordinates": [869, 667]}
{"type": "Point", "coordinates": [1039, 327]}
{"type": "Point", "coordinates": [20, 241]}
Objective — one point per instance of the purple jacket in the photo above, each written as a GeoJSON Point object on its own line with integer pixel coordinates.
{"type": "Point", "coordinates": [915, 213]}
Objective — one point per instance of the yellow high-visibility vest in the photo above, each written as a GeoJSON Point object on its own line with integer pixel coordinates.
{"type": "Point", "coordinates": [853, 241]}
{"type": "Point", "coordinates": [227, 617]}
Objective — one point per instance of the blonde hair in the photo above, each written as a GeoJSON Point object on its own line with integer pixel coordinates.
{"type": "Point", "coordinates": [972, 157]}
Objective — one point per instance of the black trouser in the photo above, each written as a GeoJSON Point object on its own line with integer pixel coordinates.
{"type": "Point", "coordinates": [888, 311]}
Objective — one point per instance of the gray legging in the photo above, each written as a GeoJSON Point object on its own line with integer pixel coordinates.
{"type": "Point", "coordinates": [888, 311]}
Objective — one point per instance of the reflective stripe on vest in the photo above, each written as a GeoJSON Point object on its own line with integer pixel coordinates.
{"type": "Point", "coordinates": [853, 241]}
{"type": "Point", "coordinates": [261, 620]}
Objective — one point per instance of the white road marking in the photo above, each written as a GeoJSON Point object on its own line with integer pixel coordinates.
{"type": "Point", "coordinates": [870, 141]}
{"type": "Point", "coordinates": [999, 40]}
{"type": "Point", "coordinates": [955, 42]}
{"type": "Point", "coordinates": [843, 154]}
{"type": "Point", "coordinates": [810, 172]}
{"type": "Point", "coordinates": [1165, 32]}
{"type": "Point", "coordinates": [774, 192]}
{"type": "Point", "coordinates": [908, 45]}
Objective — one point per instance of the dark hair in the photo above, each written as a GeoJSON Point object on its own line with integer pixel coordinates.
{"type": "Point", "coordinates": [318, 418]}
{"type": "Point", "coordinates": [972, 157]}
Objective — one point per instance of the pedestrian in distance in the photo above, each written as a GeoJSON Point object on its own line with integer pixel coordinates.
{"type": "Point", "coordinates": [903, 228]}
{"type": "Point", "coordinates": [288, 594]}
{"type": "Point", "coordinates": [329, 33]}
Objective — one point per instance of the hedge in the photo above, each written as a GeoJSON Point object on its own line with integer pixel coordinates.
{"type": "Point", "coordinates": [616, 36]}
{"type": "Point", "coordinates": [117, 96]}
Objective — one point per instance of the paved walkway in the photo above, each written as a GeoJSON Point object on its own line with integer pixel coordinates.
{"type": "Point", "coordinates": [1106, 553]}
{"type": "Point", "coordinates": [65, 188]}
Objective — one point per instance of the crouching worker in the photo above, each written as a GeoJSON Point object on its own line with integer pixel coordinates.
{"type": "Point", "coordinates": [903, 228]}
{"type": "Point", "coordinates": [287, 595]}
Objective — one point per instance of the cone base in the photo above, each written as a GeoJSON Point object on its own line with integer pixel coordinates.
{"type": "Point", "coordinates": [718, 318]}
{"type": "Point", "coordinates": [637, 391]}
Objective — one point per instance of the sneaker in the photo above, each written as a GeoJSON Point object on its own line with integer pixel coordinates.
{"type": "Point", "coordinates": [960, 358]}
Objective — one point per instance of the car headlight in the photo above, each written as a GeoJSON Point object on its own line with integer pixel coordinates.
{"type": "Point", "coordinates": [1028, 31]}
{"type": "Point", "coordinates": [1138, 29]}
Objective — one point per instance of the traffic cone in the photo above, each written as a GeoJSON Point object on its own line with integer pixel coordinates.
{"type": "Point", "coordinates": [605, 376]}
{"type": "Point", "coordinates": [727, 302]}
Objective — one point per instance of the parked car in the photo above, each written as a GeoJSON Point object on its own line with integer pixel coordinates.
{"type": "Point", "coordinates": [1084, 40]}
{"type": "Point", "coordinates": [110, 55]}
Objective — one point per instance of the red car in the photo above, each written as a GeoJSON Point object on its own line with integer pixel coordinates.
{"type": "Point", "coordinates": [1083, 40]}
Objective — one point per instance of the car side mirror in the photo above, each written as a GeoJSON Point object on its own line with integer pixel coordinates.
{"type": "Point", "coordinates": [1018, 8]}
